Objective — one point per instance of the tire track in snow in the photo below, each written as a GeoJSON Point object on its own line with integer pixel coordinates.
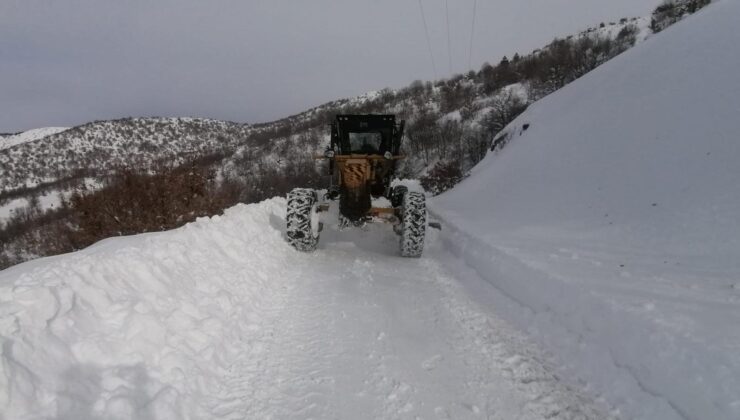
{"type": "Point", "coordinates": [360, 333]}
{"type": "Point", "coordinates": [280, 374]}
{"type": "Point", "coordinates": [502, 351]}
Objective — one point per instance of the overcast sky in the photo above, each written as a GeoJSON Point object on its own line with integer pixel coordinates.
{"type": "Point", "coordinates": [66, 62]}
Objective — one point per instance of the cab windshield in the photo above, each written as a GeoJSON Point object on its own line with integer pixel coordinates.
{"type": "Point", "coordinates": [368, 143]}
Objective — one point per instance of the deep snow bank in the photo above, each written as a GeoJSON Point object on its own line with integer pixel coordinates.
{"type": "Point", "coordinates": [138, 327]}
{"type": "Point", "coordinates": [612, 219]}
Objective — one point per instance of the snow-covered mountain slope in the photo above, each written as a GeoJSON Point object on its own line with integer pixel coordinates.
{"type": "Point", "coordinates": [99, 147]}
{"type": "Point", "coordinates": [611, 217]}
{"type": "Point", "coordinates": [223, 319]}
{"type": "Point", "coordinates": [28, 136]}
{"type": "Point", "coordinates": [95, 148]}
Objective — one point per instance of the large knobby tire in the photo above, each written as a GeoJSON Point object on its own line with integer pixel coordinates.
{"type": "Point", "coordinates": [413, 224]}
{"type": "Point", "coordinates": [302, 220]}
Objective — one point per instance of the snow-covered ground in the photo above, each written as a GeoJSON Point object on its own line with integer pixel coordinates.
{"type": "Point", "coordinates": [47, 200]}
{"type": "Point", "coordinates": [587, 270]}
{"type": "Point", "coordinates": [28, 136]}
{"type": "Point", "coordinates": [8, 208]}
{"type": "Point", "coordinates": [222, 319]}
{"type": "Point", "coordinates": [613, 221]}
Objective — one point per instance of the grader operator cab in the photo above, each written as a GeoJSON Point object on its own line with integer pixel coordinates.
{"type": "Point", "coordinates": [362, 158]}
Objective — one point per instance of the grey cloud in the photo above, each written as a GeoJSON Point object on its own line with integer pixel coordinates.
{"type": "Point", "coordinates": [69, 62]}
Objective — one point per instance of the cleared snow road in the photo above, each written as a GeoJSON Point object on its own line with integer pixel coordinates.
{"type": "Point", "coordinates": [221, 319]}
{"type": "Point", "coordinates": [361, 333]}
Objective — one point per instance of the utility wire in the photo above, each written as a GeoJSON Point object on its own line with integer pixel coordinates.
{"type": "Point", "coordinates": [449, 48]}
{"type": "Point", "coordinates": [429, 43]}
{"type": "Point", "coordinates": [472, 32]}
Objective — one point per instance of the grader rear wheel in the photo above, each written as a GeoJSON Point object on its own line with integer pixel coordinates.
{"type": "Point", "coordinates": [302, 219]}
{"type": "Point", "coordinates": [413, 224]}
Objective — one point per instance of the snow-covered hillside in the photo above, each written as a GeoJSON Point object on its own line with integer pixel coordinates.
{"type": "Point", "coordinates": [94, 149]}
{"type": "Point", "coordinates": [28, 136]}
{"type": "Point", "coordinates": [99, 147]}
{"type": "Point", "coordinates": [611, 217]}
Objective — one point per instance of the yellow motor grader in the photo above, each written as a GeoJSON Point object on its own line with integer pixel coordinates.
{"type": "Point", "coordinates": [362, 158]}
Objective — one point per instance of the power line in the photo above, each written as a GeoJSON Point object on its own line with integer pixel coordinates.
{"type": "Point", "coordinates": [472, 32]}
{"type": "Point", "coordinates": [449, 48]}
{"type": "Point", "coordinates": [429, 43]}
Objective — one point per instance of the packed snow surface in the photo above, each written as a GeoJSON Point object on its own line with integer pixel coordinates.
{"type": "Point", "coordinates": [222, 319]}
{"type": "Point", "coordinates": [28, 136]}
{"type": "Point", "coordinates": [613, 218]}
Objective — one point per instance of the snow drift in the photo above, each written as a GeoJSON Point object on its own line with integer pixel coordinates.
{"type": "Point", "coordinates": [81, 332]}
{"type": "Point", "coordinates": [611, 217]}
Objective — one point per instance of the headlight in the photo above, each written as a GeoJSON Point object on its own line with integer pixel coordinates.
{"type": "Point", "coordinates": [388, 155]}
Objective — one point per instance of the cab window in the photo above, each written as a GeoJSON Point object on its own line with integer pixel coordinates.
{"type": "Point", "coordinates": [368, 143]}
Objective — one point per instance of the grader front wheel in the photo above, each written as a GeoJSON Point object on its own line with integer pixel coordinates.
{"type": "Point", "coordinates": [302, 219]}
{"type": "Point", "coordinates": [413, 224]}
